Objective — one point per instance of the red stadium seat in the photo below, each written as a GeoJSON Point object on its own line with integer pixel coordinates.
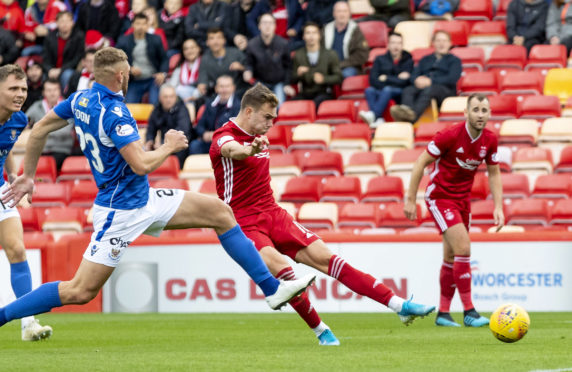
{"type": "Point", "coordinates": [284, 164]}
{"type": "Point", "coordinates": [539, 107]}
{"type": "Point", "coordinates": [545, 57]}
{"type": "Point", "coordinates": [384, 189]}
{"type": "Point", "coordinates": [521, 83]}
{"type": "Point", "coordinates": [208, 187]}
{"type": "Point", "coordinates": [502, 8]}
{"type": "Point", "coordinates": [279, 137]}
{"type": "Point", "coordinates": [419, 53]}
{"type": "Point", "coordinates": [341, 189]}
{"type": "Point", "coordinates": [426, 131]}
{"type": "Point", "coordinates": [479, 82]}
{"type": "Point", "coordinates": [354, 136]}
{"type": "Point", "coordinates": [515, 186]}
{"type": "Point", "coordinates": [325, 163]}
{"type": "Point", "coordinates": [488, 33]}
{"type": "Point", "coordinates": [365, 162]}
{"type": "Point", "coordinates": [507, 57]}
{"type": "Point", "coordinates": [171, 183]}
{"type": "Point", "coordinates": [459, 30]}
{"type": "Point", "coordinates": [472, 59]}
{"type": "Point", "coordinates": [532, 158]}
{"type": "Point", "coordinates": [75, 168]}
{"type": "Point", "coordinates": [565, 163]}
{"type": "Point", "coordinates": [51, 195]}
{"type": "Point", "coordinates": [528, 212]}
{"type": "Point", "coordinates": [503, 107]}
{"type": "Point", "coordinates": [480, 189]}
{"type": "Point", "coordinates": [68, 219]}
{"type": "Point", "coordinates": [336, 112]}
{"type": "Point", "coordinates": [391, 215]}
{"type": "Point", "coordinates": [475, 10]}
{"type": "Point", "coordinates": [482, 212]}
{"type": "Point", "coordinates": [83, 193]}
{"type": "Point", "coordinates": [174, 62]}
{"type": "Point", "coordinates": [296, 112]}
{"type": "Point", "coordinates": [373, 53]}
{"type": "Point", "coordinates": [318, 215]}
{"type": "Point", "coordinates": [353, 87]}
{"type": "Point", "coordinates": [561, 212]}
{"type": "Point", "coordinates": [29, 218]}
{"type": "Point", "coordinates": [553, 186]}
{"type": "Point", "coordinates": [375, 32]}
{"type": "Point", "coordinates": [169, 169]}
{"type": "Point", "coordinates": [46, 170]}
{"type": "Point", "coordinates": [302, 189]}
{"type": "Point", "coordinates": [361, 215]}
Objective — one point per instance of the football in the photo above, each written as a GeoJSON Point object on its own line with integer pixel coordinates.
{"type": "Point", "coordinates": [509, 323]}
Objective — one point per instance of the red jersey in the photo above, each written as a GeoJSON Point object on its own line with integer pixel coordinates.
{"type": "Point", "coordinates": [242, 184]}
{"type": "Point", "coordinates": [458, 157]}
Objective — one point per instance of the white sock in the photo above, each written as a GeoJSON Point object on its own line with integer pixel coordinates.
{"type": "Point", "coordinates": [396, 303]}
{"type": "Point", "coordinates": [27, 320]}
{"type": "Point", "coordinates": [320, 329]}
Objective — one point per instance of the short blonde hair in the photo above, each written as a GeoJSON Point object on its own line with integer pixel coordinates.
{"type": "Point", "coordinates": [105, 60]}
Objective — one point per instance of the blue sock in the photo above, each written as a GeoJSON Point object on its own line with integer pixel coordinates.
{"type": "Point", "coordinates": [41, 300]}
{"type": "Point", "coordinates": [20, 278]}
{"type": "Point", "coordinates": [243, 252]}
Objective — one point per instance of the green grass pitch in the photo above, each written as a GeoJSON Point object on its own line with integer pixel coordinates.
{"type": "Point", "coordinates": [279, 342]}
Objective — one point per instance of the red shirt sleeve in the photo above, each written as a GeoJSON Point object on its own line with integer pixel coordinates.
{"type": "Point", "coordinates": [440, 143]}
{"type": "Point", "coordinates": [492, 155]}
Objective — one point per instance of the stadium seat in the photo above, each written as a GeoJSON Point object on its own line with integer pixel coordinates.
{"type": "Point", "coordinates": [528, 212]}
{"type": "Point", "coordinates": [383, 189]}
{"type": "Point", "coordinates": [75, 168]}
{"type": "Point", "coordinates": [519, 131]}
{"type": "Point", "coordinates": [336, 112]}
{"type": "Point", "coordinates": [360, 8]}
{"type": "Point", "coordinates": [341, 189]}
{"type": "Point", "coordinates": [521, 83]}
{"type": "Point", "coordinates": [288, 207]}
{"type": "Point", "coordinates": [487, 33]}
{"type": "Point", "coordinates": [403, 160]}
{"type": "Point", "coordinates": [197, 166]}
{"type": "Point", "coordinates": [51, 195]}
{"type": "Point", "coordinates": [318, 215]}
{"type": "Point", "coordinates": [351, 136]}
{"type": "Point", "coordinates": [83, 193]}
{"type": "Point", "coordinates": [353, 87]}
{"type": "Point", "coordinates": [140, 112]}
{"type": "Point", "coordinates": [532, 161]}
{"type": "Point", "coordinates": [415, 34]}
{"type": "Point", "coordinates": [507, 57]}
{"type": "Point", "coordinates": [480, 188]}
{"type": "Point", "coordinates": [168, 169]}
{"type": "Point", "coordinates": [324, 163]}
{"type": "Point", "coordinates": [361, 215]}
{"type": "Point", "coordinates": [565, 163]}
{"type": "Point", "coordinates": [393, 135]}
{"type": "Point", "coordinates": [472, 58]}
{"type": "Point", "coordinates": [373, 54]}
{"type": "Point", "coordinates": [561, 212]}
{"type": "Point", "coordinates": [555, 134]}
{"type": "Point", "coordinates": [544, 57]}
{"type": "Point", "coordinates": [558, 83]}
{"type": "Point", "coordinates": [539, 107]}
{"type": "Point", "coordinates": [296, 112]}
{"type": "Point", "coordinates": [279, 137]}
{"type": "Point", "coordinates": [391, 215]}
{"type": "Point", "coordinates": [482, 212]}
{"type": "Point", "coordinates": [366, 162]}
{"type": "Point", "coordinates": [474, 10]}
{"type": "Point", "coordinates": [208, 187]}
{"type": "Point", "coordinates": [479, 82]}
{"type": "Point", "coordinates": [375, 32]}
{"type": "Point", "coordinates": [311, 137]}
{"type": "Point", "coordinates": [169, 183]}
{"type": "Point", "coordinates": [553, 186]}
{"type": "Point", "coordinates": [62, 221]}
{"type": "Point", "coordinates": [502, 8]}
{"type": "Point", "coordinates": [45, 171]}
{"type": "Point", "coordinates": [459, 30]}
{"type": "Point", "coordinates": [418, 53]}
{"type": "Point", "coordinates": [284, 164]}
{"type": "Point", "coordinates": [453, 109]}
{"type": "Point", "coordinates": [503, 107]}
{"type": "Point", "coordinates": [515, 186]}
{"type": "Point", "coordinates": [514, 229]}
{"type": "Point", "coordinates": [301, 190]}
{"type": "Point", "coordinates": [425, 132]}
{"type": "Point", "coordinates": [29, 218]}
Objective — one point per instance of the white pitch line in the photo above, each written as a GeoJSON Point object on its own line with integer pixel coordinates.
{"type": "Point", "coordinates": [553, 370]}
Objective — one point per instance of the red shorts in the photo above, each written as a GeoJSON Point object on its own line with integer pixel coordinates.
{"type": "Point", "coordinates": [276, 228]}
{"type": "Point", "coordinates": [449, 212]}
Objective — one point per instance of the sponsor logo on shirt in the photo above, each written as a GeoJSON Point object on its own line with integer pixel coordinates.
{"type": "Point", "coordinates": [470, 164]}
{"type": "Point", "coordinates": [124, 130]}
{"type": "Point", "coordinates": [83, 102]}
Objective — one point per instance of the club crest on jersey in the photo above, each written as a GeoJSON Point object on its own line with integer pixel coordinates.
{"type": "Point", "coordinates": [83, 102]}
{"type": "Point", "coordinates": [483, 152]}
{"type": "Point", "coordinates": [117, 111]}
{"type": "Point", "coordinates": [124, 130]}
{"type": "Point", "coordinates": [13, 134]}
{"type": "Point", "coordinates": [449, 215]}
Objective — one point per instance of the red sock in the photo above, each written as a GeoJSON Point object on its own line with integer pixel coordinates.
{"type": "Point", "coordinates": [462, 276]}
{"type": "Point", "coordinates": [301, 303]}
{"type": "Point", "coordinates": [447, 287]}
{"type": "Point", "coordinates": [359, 282]}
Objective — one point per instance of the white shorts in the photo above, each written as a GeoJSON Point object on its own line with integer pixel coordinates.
{"type": "Point", "coordinates": [5, 211]}
{"type": "Point", "coordinates": [115, 229]}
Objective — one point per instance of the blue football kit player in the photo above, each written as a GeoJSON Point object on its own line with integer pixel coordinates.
{"type": "Point", "coordinates": [125, 206]}
{"type": "Point", "coordinates": [13, 92]}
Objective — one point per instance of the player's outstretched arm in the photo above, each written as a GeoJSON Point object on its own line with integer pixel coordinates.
{"type": "Point", "coordinates": [236, 151]}
{"type": "Point", "coordinates": [495, 185]}
{"type": "Point", "coordinates": [410, 207]}
{"type": "Point", "coordinates": [144, 162]}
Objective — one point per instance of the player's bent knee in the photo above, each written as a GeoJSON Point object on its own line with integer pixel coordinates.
{"type": "Point", "coordinates": [15, 252]}
{"type": "Point", "coordinates": [224, 216]}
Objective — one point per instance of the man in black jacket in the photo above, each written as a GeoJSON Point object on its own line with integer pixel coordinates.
{"type": "Point", "coordinates": [63, 49]}
{"type": "Point", "coordinates": [436, 77]}
{"type": "Point", "coordinates": [235, 24]}
{"type": "Point", "coordinates": [100, 15]}
{"type": "Point", "coordinates": [169, 113]}
{"type": "Point", "coordinates": [8, 50]}
{"type": "Point", "coordinates": [526, 22]}
{"type": "Point", "coordinates": [202, 16]}
{"type": "Point", "coordinates": [389, 75]}
{"type": "Point", "coordinates": [148, 60]}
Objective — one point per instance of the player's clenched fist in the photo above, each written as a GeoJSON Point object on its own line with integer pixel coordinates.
{"type": "Point", "coordinates": [258, 145]}
{"type": "Point", "coordinates": [177, 140]}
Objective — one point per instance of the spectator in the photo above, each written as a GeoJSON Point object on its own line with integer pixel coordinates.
{"type": "Point", "coordinates": [316, 67]}
{"type": "Point", "coordinates": [82, 79]}
{"type": "Point", "coordinates": [220, 60]}
{"type": "Point", "coordinates": [137, 6]}
{"type": "Point", "coordinates": [289, 18]}
{"type": "Point", "coordinates": [63, 49]}
{"type": "Point", "coordinates": [9, 53]}
{"type": "Point", "coordinates": [12, 19]}
{"type": "Point", "coordinates": [389, 75]}
{"type": "Point", "coordinates": [526, 22]}
{"type": "Point", "coordinates": [148, 60]}
{"type": "Point", "coordinates": [390, 12]}
{"type": "Point", "coordinates": [559, 24]}
{"type": "Point", "coordinates": [268, 58]}
{"type": "Point", "coordinates": [217, 112]}
{"type": "Point", "coordinates": [185, 77]}
{"type": "Point", "coordinates": [436, 9]}
{"type": "Point", "coordinates": [60, 143]}
{"type": "Point", "coordinates": [153, 28]}
{"type": "Point", "coordinates": [202, 16]}
{"type": "Point", "coordinates": [320, 11]}
{"type": "Point", "coordinates": [235, 25]}
{"type": "Point", "coordinates": [169, 113]}
{"type": "Point", "coordinates": [436, 76]}
{"type": "Point", "coordinates": [343, 36]}
{"type": "Point", "coordinates": [171, 21]}
{"type": "Point", "coordinates": [35, 74]}
{"type": "Point", "coordinates": [100, 15]}
{"type": "Point", "coordinates": [95, 40]}
{"type": "Point", "coordinates": [39, 19]}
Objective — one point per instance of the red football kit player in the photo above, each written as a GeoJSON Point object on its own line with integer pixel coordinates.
{"type": "Point", "coordinates": [241, 163]}
{"type": "Point", "coordinates": [457, 152]}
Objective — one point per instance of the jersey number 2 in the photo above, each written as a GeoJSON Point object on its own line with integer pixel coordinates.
{"type": "Point", "coordinates": [84, 139]}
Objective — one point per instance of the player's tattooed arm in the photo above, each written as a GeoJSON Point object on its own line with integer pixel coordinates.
{"type": "Point", "coordinates": [236, 151]}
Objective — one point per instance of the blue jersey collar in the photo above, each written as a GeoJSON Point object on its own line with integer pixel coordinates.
{"type": "Point", "coordinates": [102, 88]}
